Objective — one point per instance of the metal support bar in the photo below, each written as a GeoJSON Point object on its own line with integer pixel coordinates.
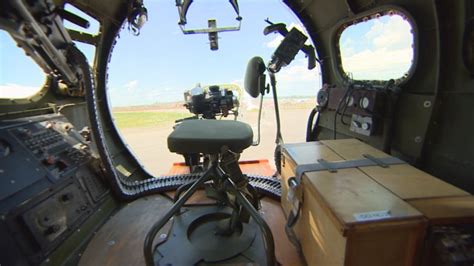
{"type": "Point", "coordinates": [279, 138]}
{"type": "Point", "coordinates": [332, 167]}
{"type": "Point", "coordinates": [181, 189]}
{"type": "Point", "coordinates": [83, 37]}
{"type": "Point", "coordinates": [266, 232]}
{"type": "Point", "coordinates": [148, 246]}
{"type": "Point", "coordinates": [375, 160]}
{"type": "Point", "coordinates": [327, 165]}
{"type": "Point", "coordinates": [210, 30]}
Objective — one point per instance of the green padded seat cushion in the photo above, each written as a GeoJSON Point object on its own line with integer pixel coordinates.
{"type": "Point", "coordinates": [208, 136]}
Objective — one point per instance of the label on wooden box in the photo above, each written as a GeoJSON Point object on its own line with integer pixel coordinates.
{"type": "Point", "coordinates": [372, 216]}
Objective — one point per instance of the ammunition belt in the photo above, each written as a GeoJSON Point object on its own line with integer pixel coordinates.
{"type": "Point", "coordinates": [268, 186]}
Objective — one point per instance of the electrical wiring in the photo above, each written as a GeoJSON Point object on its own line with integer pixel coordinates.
{"type": "Point", "coordinates": [349, 88]}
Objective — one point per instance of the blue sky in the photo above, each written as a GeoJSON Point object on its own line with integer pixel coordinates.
{"type": "Point", "coordinates": [161, 63]}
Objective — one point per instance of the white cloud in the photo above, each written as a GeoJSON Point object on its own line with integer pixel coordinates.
{"type": "Point", "coordinates": [297, 80]}
{"type": "Point", "coordinates": [375, 30]}
{"type": "Point", "coordinates": [296, 71]}
{"type": "Point", "coordinates": [16, 91]}
{"type": "Point", "coordinates": [380, 64]}
{"type": "Point", "coordinates": [346, 47]}
{"type": "Point", "coordinates": [131, 85]}
{"type": "Point", "coordinates": [395, 34]}
{"type": "Point", "coordinates": [387, 52]}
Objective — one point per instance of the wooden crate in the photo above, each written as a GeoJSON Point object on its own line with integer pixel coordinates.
{"type": "Point", "coordinates": [438, 201]}
{"type": "Point", "coordinates": [328, 229]}
{"type": "Point", "coordinates": [446, 210]}
{"type": "Point", "coordinates": [405, 181]}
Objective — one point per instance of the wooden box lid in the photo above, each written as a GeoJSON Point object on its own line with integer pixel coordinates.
{"type": "Point", "coordinates": [447, 210]}
{"type": "Point", "coordinates": [308, 152]}
{"type": "Point", "coordinates": [405, 181]}
{"type": "Point", "coordinates": [354, 199]}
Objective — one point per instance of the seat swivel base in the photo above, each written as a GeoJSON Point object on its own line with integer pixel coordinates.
{"type": "Point", "coordinates": [194, 239]}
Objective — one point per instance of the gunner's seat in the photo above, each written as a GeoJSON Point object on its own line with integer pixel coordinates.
{"type": "Point", "coordinates": [219, 143]}
{"type": "Point", "coordinates": [208, 136]}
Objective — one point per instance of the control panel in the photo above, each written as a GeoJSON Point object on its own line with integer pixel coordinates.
{"type": "Point", "coordinates": [55, 144]}
{"type": "Point", "coordinates": [358, 100]}
{"type": "Point", "coordinates": [363, 125]}
{"type": "Point", "coordinates": [364, 105]}
{"type": "Point", "coordinates": [50, 183]}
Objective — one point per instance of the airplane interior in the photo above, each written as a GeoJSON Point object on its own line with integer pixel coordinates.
{"type": "Point", "coordinates": [384, 176]}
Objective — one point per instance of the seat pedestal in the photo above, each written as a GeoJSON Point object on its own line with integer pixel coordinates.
{"type": "Point", "coordinates": [221, 142]}
{"type": "Point", "coordinates": [194, 230]}
{"type": "Point", "coordinates": [223, 183]}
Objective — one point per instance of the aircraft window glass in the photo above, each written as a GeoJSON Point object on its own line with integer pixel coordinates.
{"type": "Point", "coordinates": [149, 73]}
{"type": "Point", "coordinates": [379, 47]}
{"type": "Point", "coordinates": [14, 65]}
{"type": "Point", "coordinates": [88, 50]}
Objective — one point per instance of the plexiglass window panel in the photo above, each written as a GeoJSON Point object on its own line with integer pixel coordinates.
{"type": "Point", "coordinates": [149, 73]}
{"type": "Point", "coordinates": [379, 48]}
{"type": "Point", "coordinates": [20, 76]}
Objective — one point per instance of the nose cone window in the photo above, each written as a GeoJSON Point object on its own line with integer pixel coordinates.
{"type": "Point", "coordinates": [153, 75]}
{"type": "Point", "coordinates": [379, 47]}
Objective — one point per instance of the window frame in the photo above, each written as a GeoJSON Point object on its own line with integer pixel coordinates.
{"type": "Point", "coordinates": [365, 16]}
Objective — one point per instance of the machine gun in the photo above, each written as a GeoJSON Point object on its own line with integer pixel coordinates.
{"type": "Point", "coordinates": [208, 103]}
{"type": "Point", "coordinates": [215, 101]}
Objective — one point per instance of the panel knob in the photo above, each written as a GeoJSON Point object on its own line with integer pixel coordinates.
{"type": "Point", "coordinates": [364, 102]}
{"type": "Point", "coordinates": [366, 126]}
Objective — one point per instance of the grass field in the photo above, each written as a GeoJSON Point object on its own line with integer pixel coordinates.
{"type": "Point", "coordinates": [146, 119]}
{"type": "Point", "coordinates": [154, 115]}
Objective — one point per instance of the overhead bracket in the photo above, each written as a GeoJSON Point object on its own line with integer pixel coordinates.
{"type": "Point", "coordinates": [212, 30]}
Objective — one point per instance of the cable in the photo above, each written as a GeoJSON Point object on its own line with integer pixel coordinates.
{"type": "Point", "coordinates": [346, 104]}
{"type": "Point", "coordinates": [349, 88]}
{"type": "Point", "coordinates": [310, 126]}
{"type": "Point", "coordinates": [348, 99]}
{"type": "Point", "coordinates": [259, 121]}
{"type": "Point", "coordinates": [315, 126]}
{"type": "Point", "coordinates": [279, 138]}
